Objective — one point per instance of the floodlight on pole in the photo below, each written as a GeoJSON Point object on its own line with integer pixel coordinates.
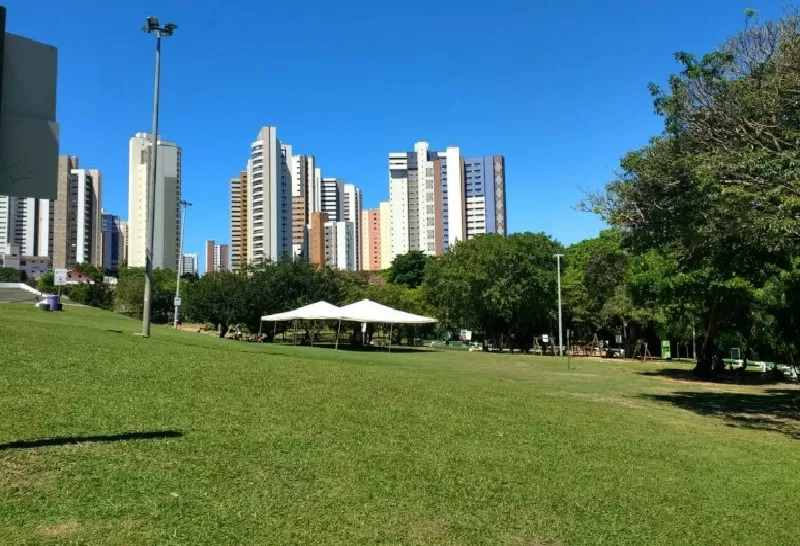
{"type": "Point", "coordinates": [152, 27]}
{"type": "Point", "coordinates": [558, 268]}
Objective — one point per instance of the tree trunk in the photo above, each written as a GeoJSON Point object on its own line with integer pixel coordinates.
{"type": "Point", "coordinates": [703, 365]}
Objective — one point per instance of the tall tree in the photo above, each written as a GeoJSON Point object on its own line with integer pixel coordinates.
{"type": "Point", "coordinates": [503, 287]}
{"type": "Point", "coordinates": [719, 190]}
{"type": "Point", "coordinates": [594, 272]}
{"type": "Point", "coordinates": [409, 269]}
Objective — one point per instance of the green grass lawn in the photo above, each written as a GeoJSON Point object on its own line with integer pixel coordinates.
{"type": "Point", "coordinates": [259, 444]}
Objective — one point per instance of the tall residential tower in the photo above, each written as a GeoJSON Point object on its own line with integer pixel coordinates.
{"type": "Point", "coordinates": [167, 198]}
{"type": "Point", "coordinates": [269, 198]}
{"type": "Point", "coordinates": [438, 198]}
{"type": "Point", "coordinates": [239, 215]}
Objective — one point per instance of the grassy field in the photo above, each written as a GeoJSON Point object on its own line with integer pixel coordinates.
{"type": "Point", "coordinates": [107, 438]}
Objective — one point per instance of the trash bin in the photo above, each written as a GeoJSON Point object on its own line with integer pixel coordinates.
{"type": "Point", "coordinates": [43, 306]}
{"type": "Point", "coordinates": [52, 302]}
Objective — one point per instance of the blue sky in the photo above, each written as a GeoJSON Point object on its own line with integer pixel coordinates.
{"type": "Point", "coordinates": [559, 88]}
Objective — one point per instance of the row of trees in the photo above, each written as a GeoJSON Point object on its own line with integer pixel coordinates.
{"type": "Point", "coordinates": [717, 194]}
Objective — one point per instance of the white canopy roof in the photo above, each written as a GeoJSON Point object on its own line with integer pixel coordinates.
{"type": "Point", "coordinates": [322, 310]}
{"type": "Point", "coordinates": [369, 311]}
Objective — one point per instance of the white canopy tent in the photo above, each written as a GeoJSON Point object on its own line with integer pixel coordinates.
{"type": "Point", "coordinates": [361, 311]}
{"type": "Point", "coordinates": [322, 310]}
{"type": "Point", "coordinates": [370, 311]}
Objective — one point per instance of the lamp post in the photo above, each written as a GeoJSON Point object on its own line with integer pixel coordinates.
{"type": "Point", "coordinates": [558, 267]}
{"type": "Point", "coordinates": [152, 27]}
{"type": "Point", "coordinates": [185, 204]}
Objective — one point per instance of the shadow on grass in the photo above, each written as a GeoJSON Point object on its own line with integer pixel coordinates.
{"type": "Point", "coordinates": [72, 440]}
{"type": "Point", "coordinates": [740, 378]}
{"type": "Point", "coordinates": [776, 410]}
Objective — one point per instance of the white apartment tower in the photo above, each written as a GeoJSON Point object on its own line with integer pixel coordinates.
{"type": "Point", "coordinates": [85, 226]}
{"type": "Point", "coordinates": [415, 181]}
{"type": "Point", "coordinates": [439, 198]}
{"type": "Point", "coordinates": [27, 222]}
{"type": "Point", "coordinates": [305, 180]}
{"type": "Point", "coordinates": [340, 245]}
{"type": "Point", "coordinates": [351, 208]}
{"type": "Point", "coordinates": [166, 246]}
{"type": "Point", "coordinates": [331, 201]}
{"type": "Point", "coordinates": [386, 234]}
{"type": "Point", "coordinates": [269, 198]}
{"type": "Point", "coordinates": [398, 198]}
{"type": "Point", "coordinates": [188, 264]}
{"type": "Point", "coordinates": [305, 197]}
{"type": "Point", "coordinates": [315, 200]}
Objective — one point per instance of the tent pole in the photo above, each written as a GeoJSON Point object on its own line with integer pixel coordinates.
{"type": "Point", "coordinates": [294, 336]}
{"type": "Point", "coordinates": [313, 331]}
{"type": "Point", "coordinates": [338, 330]}
{"type": "Point", "coordinates": [260, 325]}
{"type": "Point", "coordinates": [390, 337]}
{"type": "Point", "coordinates": [274, 330]}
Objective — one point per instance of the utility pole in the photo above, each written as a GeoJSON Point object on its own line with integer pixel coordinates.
{"type": "Point", "coordinates": [152, 27]}
{"type": "Point", "coordinates": [558, 267]}
{"type": "Point", "coordinates": [180, 264]}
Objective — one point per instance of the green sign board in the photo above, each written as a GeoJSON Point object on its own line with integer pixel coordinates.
{"type": "Point", "coordinates": [666, 350]}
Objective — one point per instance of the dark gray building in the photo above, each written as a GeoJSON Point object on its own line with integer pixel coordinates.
{"type": "Point", "coordinates": [28, 130]}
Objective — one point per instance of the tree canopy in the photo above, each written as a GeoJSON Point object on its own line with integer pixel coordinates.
{"type": "Point", "coordinates": [718, 191]}
{"type": "Point", "coordinates": [504, 287]}
{"type": "Point", "coordinates": [409, 269]}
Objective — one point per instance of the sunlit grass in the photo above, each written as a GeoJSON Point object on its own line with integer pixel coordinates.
{"type": "Point", "coordinates": [259, 444]}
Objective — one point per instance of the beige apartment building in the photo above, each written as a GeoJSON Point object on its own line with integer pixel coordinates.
{"type": "Point", "coordinates": [239, 208]}
{"type": "Point", "coordinates": [77, 215]}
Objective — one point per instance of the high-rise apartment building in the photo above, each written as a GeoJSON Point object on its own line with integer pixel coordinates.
{"type": "Point", "coordinates": [28, 130]}
{"type": "Point", "coordinates": [221, 258]}
{"type": "Point", "coordinates": [386, 234]}
{"type": "Point", "coordinates": [484, 195]}
{"type": "Point", "coordinates": [216, 257]}
{"type": "Point", "coordinates": [315, 193]}
{"type": "Point", "coordinates": [123, 243]}
{"type": "Point", "coordinates": [340, 245]}
{"type": "Point", "coordinates": [351, 210]}
{"type": "Point", "coordinates": [438, 198]}
{"type": "Point", "coordinates": [331, 198]}
{"type": "Point", "coordinates": [305, 193]}
{"type": "Point", "coordinates": [113, 242]}
{"type": "Point", "coordinates": [28, 223]}
{"type": "Point", "coordinates": [317, 238]}
{"type": "Point", "coordinates": [188, 264]}
{"type": "Point", "coordinates": [239, 216]}
{"type": "Point", "coordinates": [61, 210]}
{"type": "Point", "coordinates": [76, 232]}
{"type": "Point", "coordinates": [166, 227]}
{"type": "Point", "coordinates": [84, 227]}
{"type": "Point", "coordinates": [371, 240]}
{"type": "Point", "coordinates": [281, 205]}
{"type": "Point", "coordinates": [269, 198]}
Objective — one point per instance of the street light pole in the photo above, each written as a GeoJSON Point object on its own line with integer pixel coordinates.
{"type": "Point", "coordinates": [152, 27]}
{"type": "Point", "coordinates": [558, 267]}
{"type": "Point", "coordinates": [180, 264]}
